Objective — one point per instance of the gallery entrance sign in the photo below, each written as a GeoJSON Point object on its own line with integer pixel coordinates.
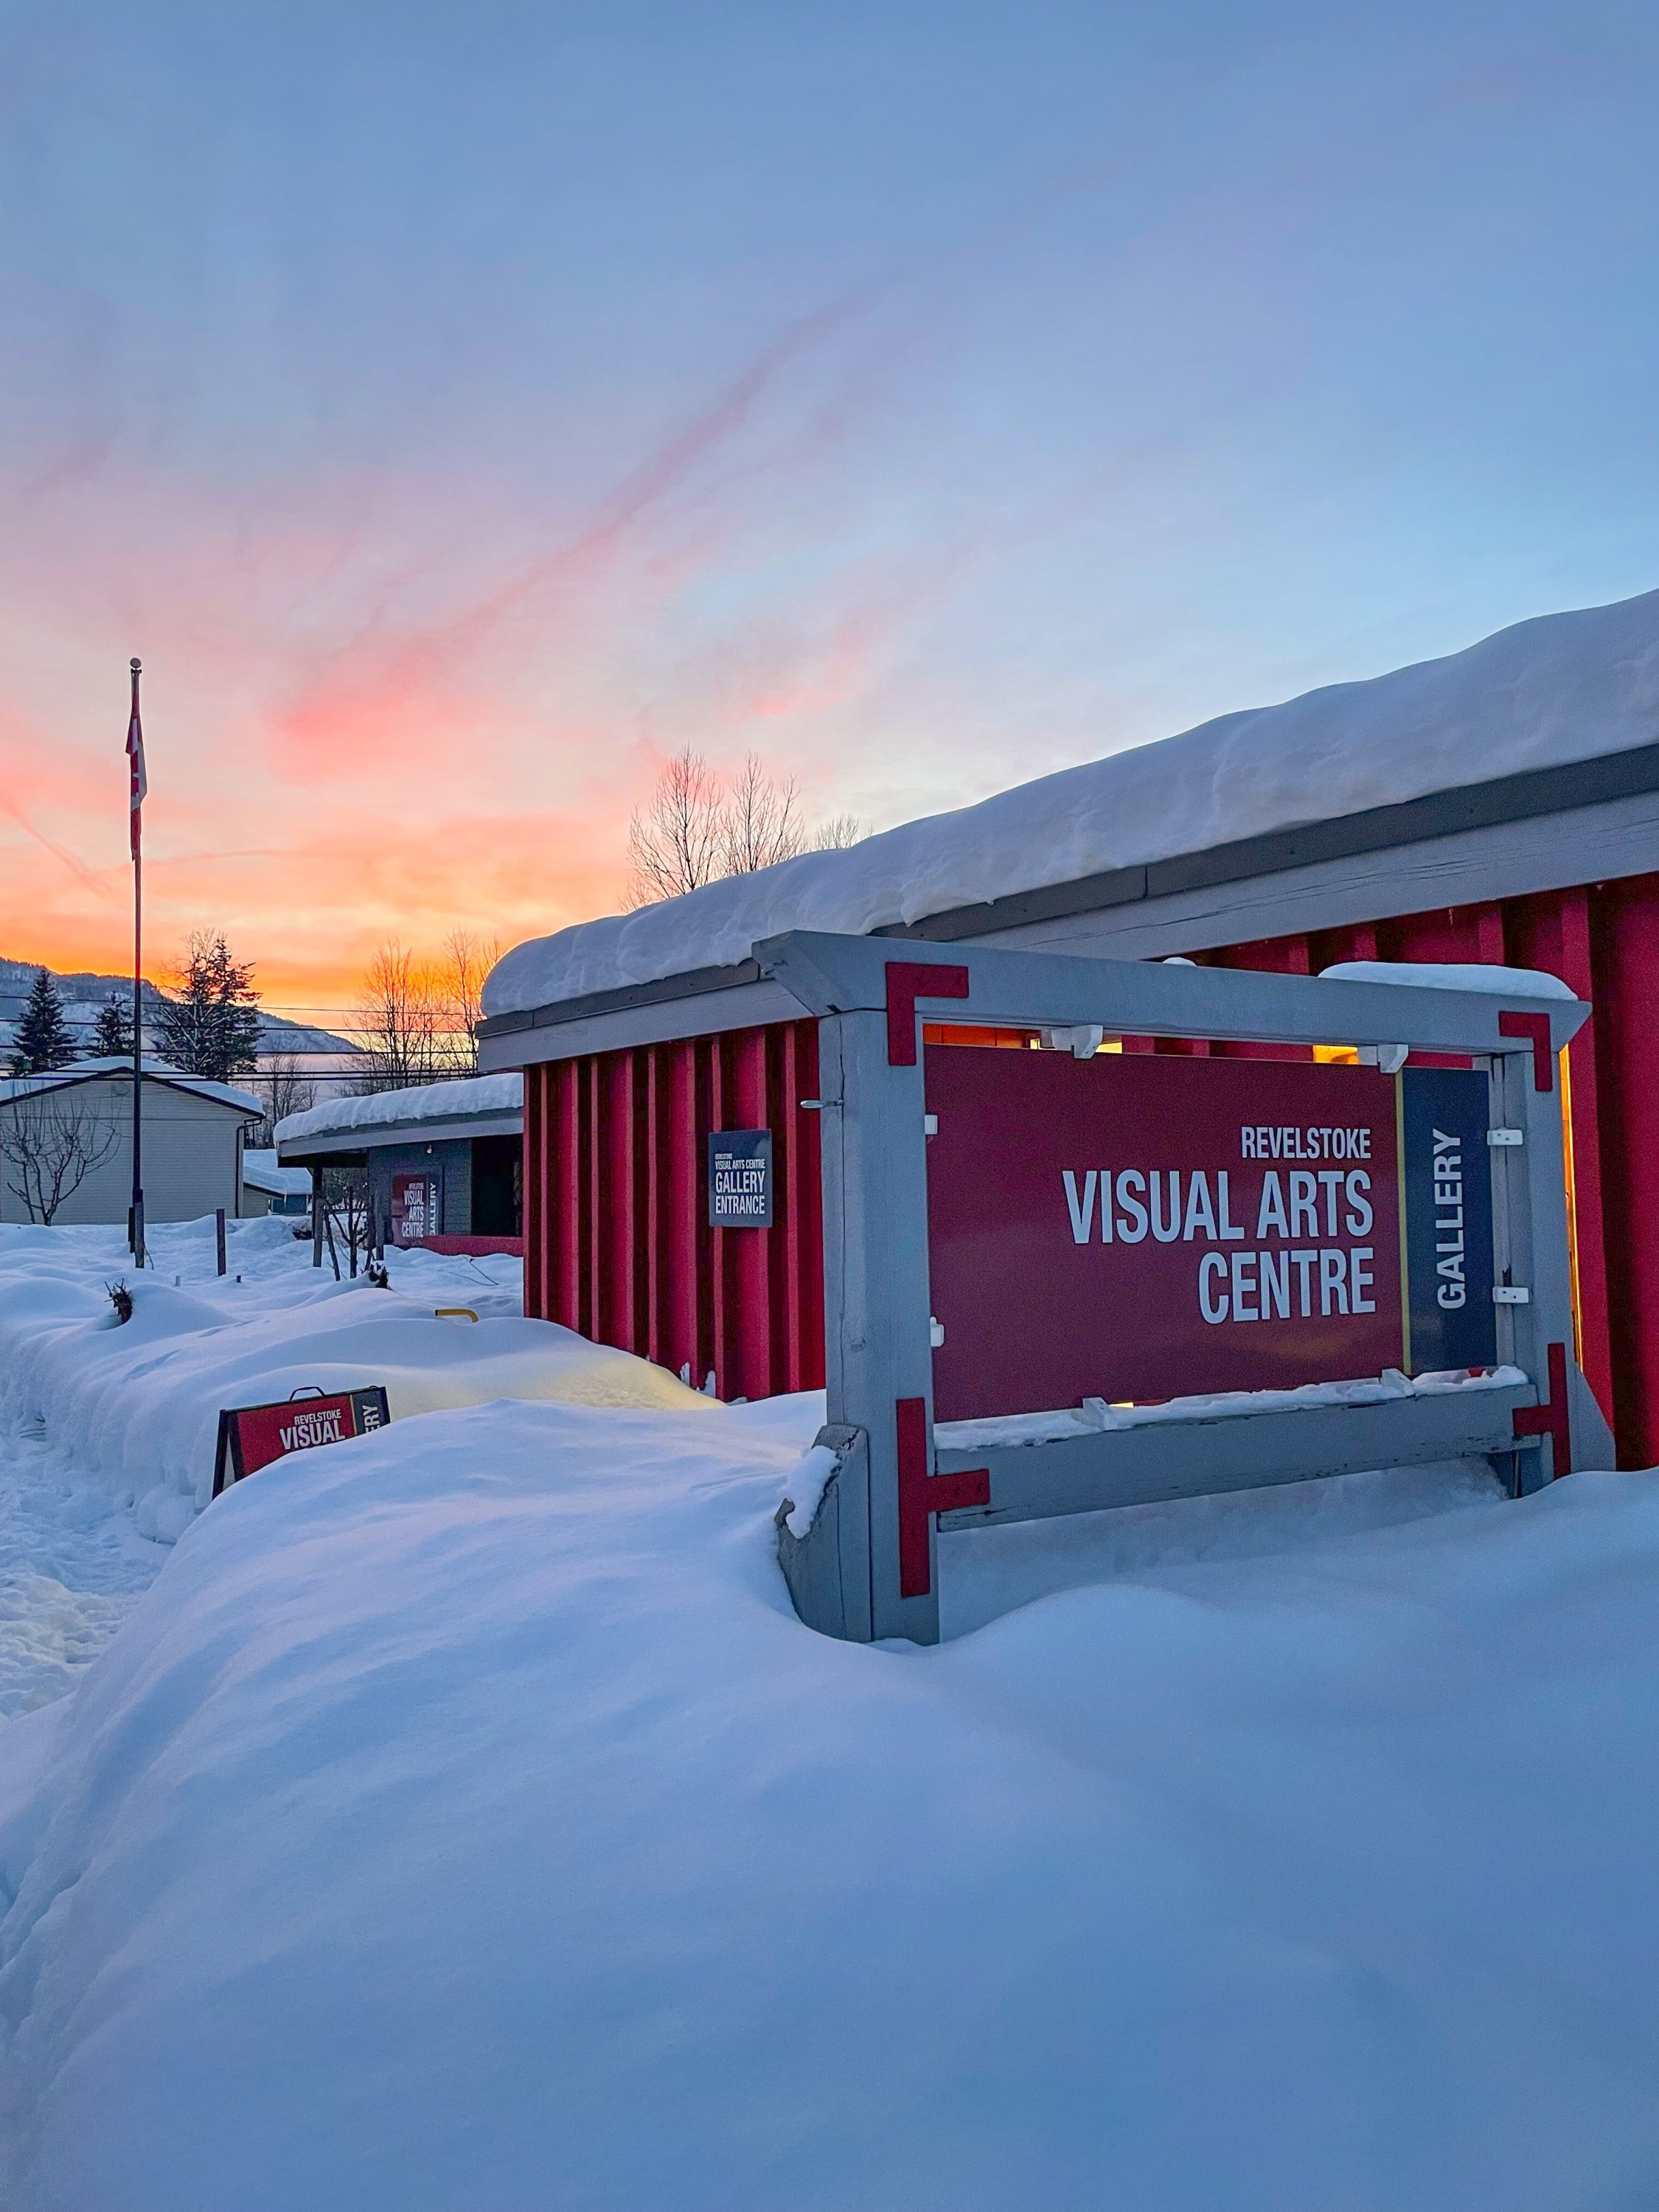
{"type": "Point", "coordinates": [1013, 1233]}
{"type": "Point", "coordinates": [740, 1191]}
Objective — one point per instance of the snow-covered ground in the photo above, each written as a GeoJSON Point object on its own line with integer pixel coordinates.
{"type": "Point", "coordinates": [91, 1498]}
{"type": "Point", "coordinates": [462, 1818]}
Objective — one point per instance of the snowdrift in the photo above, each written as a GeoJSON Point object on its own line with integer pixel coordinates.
{"type": "Point", "coordinates": [464, 1818]}
{"type": "Point", "coordinates": [138, 1403]}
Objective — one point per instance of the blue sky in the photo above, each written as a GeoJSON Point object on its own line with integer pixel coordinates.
{"type": "Point", "coordinates": [462, 409]}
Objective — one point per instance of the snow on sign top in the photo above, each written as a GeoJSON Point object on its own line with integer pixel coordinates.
{"type": "Point", "coordinates": [427, 1102]}
{"type": "Point", "coordinates": [1561, 688]}
{"type": "Point", "coordinates": [1432, 976]}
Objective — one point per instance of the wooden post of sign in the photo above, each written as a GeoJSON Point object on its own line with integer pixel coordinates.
{"type": "Point", "coordinates": [1527, 1094]}
{"type": "Point", "coordinates": [876, 1280]}
{"type": "Point", "coordinates": [219, 1236]}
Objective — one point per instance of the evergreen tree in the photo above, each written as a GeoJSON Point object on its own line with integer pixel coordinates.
{"type": "Point", "coordinates": [40, 1042]}
{"type": "Point", "coordinates": [111, 1035]}
{"type": "Point", "coordinates": [211, 1027]}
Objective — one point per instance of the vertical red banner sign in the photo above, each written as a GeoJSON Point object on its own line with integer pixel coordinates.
{"type": "Point", "coordinates": [1134, 1227]}
{"type": "Point", "coordinates": [416, 1207]}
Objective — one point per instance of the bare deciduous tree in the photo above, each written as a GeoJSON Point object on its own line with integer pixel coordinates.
{"type": "Point", "coordinates": [762, 824]}
{"type": "Point", "coordinates": [288, 1088]}
{"type": "Point", "coordinates": [343, 1195]}
{"type": "Point", "coordinates": [398, 1020]}
{"type": "Point", "coordinates": [414, 1022]}
{"type": "Point", "coordinates": [467, 960]}
{"type": "Point", "coordinates": [50, 1142]}
{"type": "Point", "coordinates": [837, 833]}
{"type": "Point", "coordinates": [677, 842]}
{"type": "Point", "coordinates": [694, 828]}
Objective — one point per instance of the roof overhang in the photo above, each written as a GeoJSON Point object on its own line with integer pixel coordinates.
{"type": "Point", "coordinates": [377, 1136]}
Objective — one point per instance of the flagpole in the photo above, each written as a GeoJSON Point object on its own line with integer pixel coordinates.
{"type": "Point", "coordinates": [136, 1237]}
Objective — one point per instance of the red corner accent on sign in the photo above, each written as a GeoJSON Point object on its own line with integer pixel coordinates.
{"type": "Point", "coordinates": [1549, 1419]}
{"type": "Point", "coordinates": [921, 1493]}
{"type": "Point", "coordinates": [1537, 1027]}
{"type": "Point", "coordinates": [907, 981]}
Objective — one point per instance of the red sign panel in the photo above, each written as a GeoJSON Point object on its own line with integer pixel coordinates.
{"type": "Point", "coordinates": [1143, 1227]}
{"type": "Point", "coordinates": [416, 1207]}
{"type": "Point", "coordinates": [251, 1436]}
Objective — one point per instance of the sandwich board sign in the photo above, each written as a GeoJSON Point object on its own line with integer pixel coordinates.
{"type": "Point", "coordinates": [253, 1437]}
{"type": "Point", "coordinates": [1063, 1281]}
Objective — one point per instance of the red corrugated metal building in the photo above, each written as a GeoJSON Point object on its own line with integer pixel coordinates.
{"type": "Point", "coordinates": [1555, 868]}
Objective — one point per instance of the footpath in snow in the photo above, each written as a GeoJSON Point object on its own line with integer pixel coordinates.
{"type": "Point", "coordinates": [462, 1818]}
{"type": "Point", "coordinates": [90, 1501]}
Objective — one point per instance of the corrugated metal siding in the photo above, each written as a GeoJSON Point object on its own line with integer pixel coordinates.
{"type": "Point", "coordinates": [617, 1242]}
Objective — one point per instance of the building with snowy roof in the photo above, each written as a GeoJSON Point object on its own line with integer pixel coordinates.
{"type": "Point", "coordinates": [66, 1144]}
{"type": "Point", "coordinates": [269, 1187]}
{"type": "Point", "coordinates": [1500, 805]}
{"type": "Point", "coordinates": [441, 1163]}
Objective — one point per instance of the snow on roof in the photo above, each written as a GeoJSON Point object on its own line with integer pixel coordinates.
{"type": "Point", "coordinates": [225, 1094]}
{"type": "Point", "coordinates": [261, 1172]}
{"type": "Point", "coordinates": [1434, 976]}
{"type": "Point", "coordinates": [427, 1102]}
{"type": "Point", "coordinates": [1561, 688]}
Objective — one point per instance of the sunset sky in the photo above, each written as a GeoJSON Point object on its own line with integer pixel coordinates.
{"type": "Point", "coordinates": [460, 409]}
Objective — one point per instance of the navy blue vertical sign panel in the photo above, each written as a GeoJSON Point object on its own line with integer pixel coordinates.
{"type": "Point", "coordinates": [740, 1179]}
{"type": "Point", "coordinates": [1447, 1201]}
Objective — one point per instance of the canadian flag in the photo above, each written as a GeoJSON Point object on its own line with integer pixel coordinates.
{"type": "Point", "coordinates": [136, 758]}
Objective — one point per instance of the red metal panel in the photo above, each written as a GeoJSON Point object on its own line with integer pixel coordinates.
{"type": "Point", "coordinates": [1558, 932]}
{"type": "Point", "coordinates": [613, 1150]}
{"type": "Point", "coordinates": [654, 1314]}
{"type": "Point", "coordinates": [1627, 949]}
{"type": "Point", "coordinates": [788, 1174]}
{"type": "Point", "coordinates": [747, 1250]}
{"type": "Point", "coordinates": [534, 1193]}
{"type": "Point", "coordinates": [682, 1191]}
{"type": "Point", "coordinates": [714, 1117]}
{"type": "Point", "coordinates": [808, 1131]}
{"type": "Point", "coordinates": [567, 1229]}
{"type": "Point", "coordinates": [593, 1225]}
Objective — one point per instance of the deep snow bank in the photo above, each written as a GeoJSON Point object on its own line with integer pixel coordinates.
{"type": "Point", "coordinates": [106, 1434]}
{"type": "Point", "coordinates": [138, 1403]}
{"type": "Point", "coordinates": [463, 1819]}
